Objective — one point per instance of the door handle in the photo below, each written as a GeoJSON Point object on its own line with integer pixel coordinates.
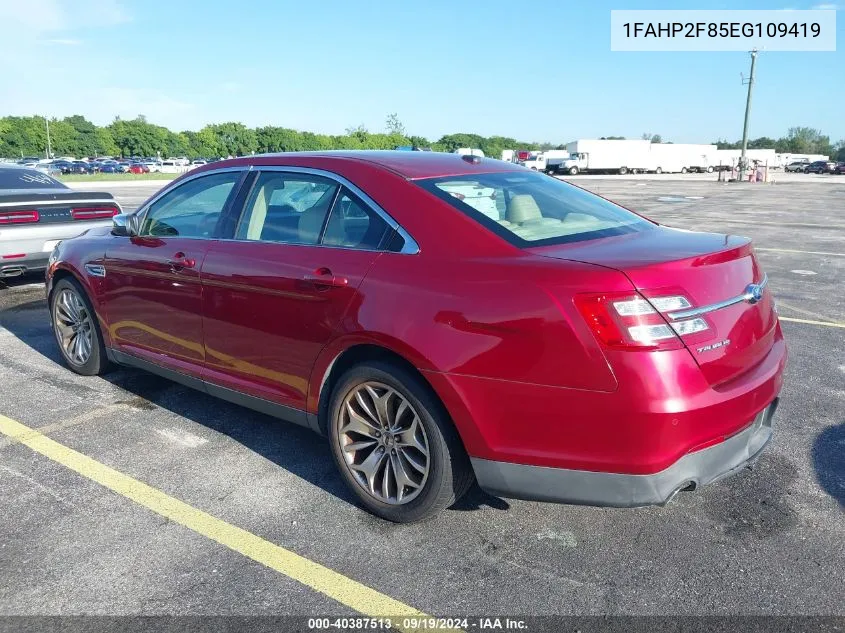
{"type": "Point", "coordinates": [179, 261]}
{"type": "Point", "coordinates": [324, 277]}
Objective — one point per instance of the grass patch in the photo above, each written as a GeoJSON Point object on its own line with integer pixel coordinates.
{"type": "Point", "coordinates": [98, 176]}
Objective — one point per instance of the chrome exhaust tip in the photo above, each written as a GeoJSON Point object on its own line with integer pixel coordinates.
{"type": "Point", "coordinates": [12, 271]}
{"type": "Point", "coordinates": [688, 486]}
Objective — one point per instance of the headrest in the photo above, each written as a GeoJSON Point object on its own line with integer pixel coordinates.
{"type": "Point", "coordinates": [523, 208]}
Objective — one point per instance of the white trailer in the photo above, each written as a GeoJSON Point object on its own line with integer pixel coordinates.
{"type": "Point", "coordinates": [729, 158]}
{"type": "Point", "coordinates": [782, 160]}
{"type": "Point", "coordinates": [668, 158]}
{"type": "Point", "coordinates": [605, 156]}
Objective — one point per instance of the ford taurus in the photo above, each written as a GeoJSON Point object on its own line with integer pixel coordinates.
{"type": "Point", "coordinates": [440, 319]}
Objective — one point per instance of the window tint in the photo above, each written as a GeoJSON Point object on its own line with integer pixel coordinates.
{"type": "Point", "coordinates": [12, 177]}
{"type": "Point", "coordinates": [192, 209]}
{"type": "Point", "coordinates": [530, 209]}
{"type": "Point", "coordinates": [353, 224]}
{"type": "Point", "coordinates": [286, 207]}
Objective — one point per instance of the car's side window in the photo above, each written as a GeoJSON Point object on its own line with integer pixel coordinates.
{"type": "Point", "coordinates": [353, 224]}
{"type": "Point", "coordinates": [191, 209]}
{"type": "Point", "coordinates": [286, 207]}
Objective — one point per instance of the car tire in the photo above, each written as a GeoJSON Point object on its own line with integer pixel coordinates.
{"type": "Point", "coordinates": [659, 170]}
{"type": "Point", "coordinates": [393, 395]}
{"type": "Point", "coordinates": [573, 171]}
{"type": "Point", "coordinates": [73, 317]}
{"type": "Point", "coordinates": [623, 171]}
{"type": "Point", "coordinates": [684, 170]}
{"type": "Point", "coordinates": [710, 169]}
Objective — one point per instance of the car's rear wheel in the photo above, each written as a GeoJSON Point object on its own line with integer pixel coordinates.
{"type": "Point", "coordinates": [394, 444]}
{"type": "Point", "coordinates": [76, 329]}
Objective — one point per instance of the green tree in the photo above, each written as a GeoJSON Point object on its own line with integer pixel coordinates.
{"type": "Point", "coordinates": [394, 125]}
{"type": "Point", "coordinates": [234, 139]}
{"type": "Point", "coordinates": [24, 136]}
{"type": "Point", "coordinates": [839, 151]}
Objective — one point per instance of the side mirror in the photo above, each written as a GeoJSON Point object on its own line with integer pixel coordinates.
{"type": "Point", "coordinates": [125, 225]}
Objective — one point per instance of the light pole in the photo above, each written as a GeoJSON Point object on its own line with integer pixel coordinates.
{"type": "Point", "coordinates": [49, 149]}
{"type": "Point", "coordinates": [742, 161]}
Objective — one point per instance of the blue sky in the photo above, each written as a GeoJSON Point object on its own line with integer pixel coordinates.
{"type": "Point", "coordinates": [537, 71]}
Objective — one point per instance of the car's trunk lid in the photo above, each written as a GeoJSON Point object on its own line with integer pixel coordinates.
{"type": "Point", "coordinates": [43, 206]}
{"type": "Point", "coordinates": [712, 271]}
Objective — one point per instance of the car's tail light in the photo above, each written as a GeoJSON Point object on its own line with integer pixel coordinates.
{"type": "Point", "coordinates": [19, 217]}
{"type": "Point", "coordinates": [629, 321]}
{"type": "Point", "coordinates": [93, 213]}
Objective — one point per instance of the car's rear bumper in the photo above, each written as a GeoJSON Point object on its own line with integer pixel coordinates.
{"type": "Point", "coordinates": [540, 483]}
{"type": "Point", "coordinates": [17, 266]}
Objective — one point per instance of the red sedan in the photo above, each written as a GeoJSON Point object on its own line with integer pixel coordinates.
{"type": "Point", "coordinates": [440, 319]}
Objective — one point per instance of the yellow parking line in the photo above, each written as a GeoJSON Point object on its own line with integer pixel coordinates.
{"type": "Point", "coordinates": [791, 250]}
{"type": "Point", "coordinates": [348, 592]}
{"type": "Point", "coordinates": [809, 322]}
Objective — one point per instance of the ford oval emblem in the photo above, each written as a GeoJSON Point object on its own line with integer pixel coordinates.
{"type": "Point", "coordinates": [753, 293]}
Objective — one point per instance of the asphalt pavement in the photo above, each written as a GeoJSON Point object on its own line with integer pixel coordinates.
{"type": "Point", "coordinates": [767, 541]}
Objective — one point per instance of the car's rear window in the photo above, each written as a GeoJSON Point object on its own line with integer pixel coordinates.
{"type": "Point", "coordinates": [531, 209]}
{"type": "Point", "coordinates": [23, 178]}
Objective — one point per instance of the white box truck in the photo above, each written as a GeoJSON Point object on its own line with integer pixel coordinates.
{"type": "Point", "coordinates": [682, 157]}
{"type": "Point", "coordinates": [668, 158]}
{"type": "Point", "coordinates": [551, 161]}
{"type": "Point", "coordinates": [603, 156]}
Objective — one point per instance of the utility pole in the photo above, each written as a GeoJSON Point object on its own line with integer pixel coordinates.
{"type": "Point", "coordinates": [742, 161]}
{"type": "Point", "coordinates": [49, 149]}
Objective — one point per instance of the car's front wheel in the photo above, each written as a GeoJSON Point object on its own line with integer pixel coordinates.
{"type": "Point", "coordinates": [76, 329]}
{"type": "Point", "coordinates": [394, 444]}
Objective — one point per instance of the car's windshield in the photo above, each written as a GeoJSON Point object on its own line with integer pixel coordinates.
{"type": "Point", "coordinates": [530, 209]}
{"type": "Point", "coordinates": [19, 178]}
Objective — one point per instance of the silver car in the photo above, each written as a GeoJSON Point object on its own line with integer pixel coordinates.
{"type": "Point", "coordinates": [37, 212]}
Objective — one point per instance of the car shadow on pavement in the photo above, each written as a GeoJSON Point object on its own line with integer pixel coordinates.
{"type": "Point", "coordinates": [22, 280]}
{"type": "Point", "coordinates": [296, 449]}
{"type": "Point", "coordinates": [829, 461]}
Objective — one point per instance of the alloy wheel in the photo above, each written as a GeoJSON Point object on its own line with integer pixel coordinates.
{"type": "Point", "coordinates": [73, 326]}
{"type": "Point", "coordinates": [384, 443]}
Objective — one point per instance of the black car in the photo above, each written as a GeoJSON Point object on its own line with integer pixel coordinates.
{"type": "Point", "coordinates": [65, 166]}
{"type": "Point", "coordinates": [820, 167]}
{"type": "Point", "coordinates": [80, 167]}
{"type": "Point", "coordinates": [840, 168]}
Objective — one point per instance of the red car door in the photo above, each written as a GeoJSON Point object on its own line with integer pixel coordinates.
{"type": "Point", "coordinates": [274, 295]}
{"type": "Point", "coordinates": [153, 297]}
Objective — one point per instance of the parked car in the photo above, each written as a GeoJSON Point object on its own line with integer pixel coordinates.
{"type": "Point", "coordinates": [64, 166]}
{"type": "Point", "coordinates": [110, 168]}
{"type": "Point", "coordinates": [796, 166]}
{"type": "Point", "coordinates": [840, 168]}
{"type": "Point", "coordinates": [561, 349]}
{"type": "Point", "coordinates": [138, 168]}
{"type": "Point", "coordinates": [48, 168]}
{"type": "Point", "coordinates": [820, 167]}
{"type": "Point", "coordinates": [80, 167]}
{"type": "Point", "coordinates": [36, 211]}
